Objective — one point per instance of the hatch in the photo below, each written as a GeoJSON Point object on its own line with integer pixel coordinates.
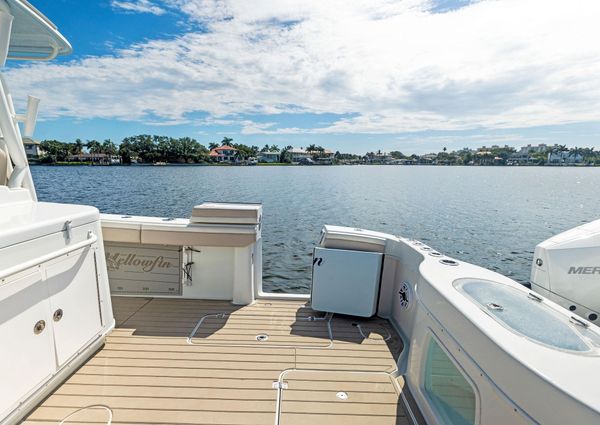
{"type": "Point", "coordinates": [528, 315]}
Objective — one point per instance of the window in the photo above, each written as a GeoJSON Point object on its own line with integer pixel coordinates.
{"type": "Point", "coordinates": [450, 394]}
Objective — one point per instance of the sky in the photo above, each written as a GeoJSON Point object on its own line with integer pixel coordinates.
{"type": "Point", "coordinates": [350, 75]}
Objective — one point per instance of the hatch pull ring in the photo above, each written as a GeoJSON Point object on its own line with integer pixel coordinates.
{"type": "Point", "coordinates": [68, 229]}
{"type": "Point", "coordinates": [578, 322]}
{"type": "Point", "coordinates": [495, 307]}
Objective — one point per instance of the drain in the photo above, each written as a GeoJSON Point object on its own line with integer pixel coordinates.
{"type": "Point", "coordinates": [342, 395]}
{"type": "Point", "coordinates": [262, 337]}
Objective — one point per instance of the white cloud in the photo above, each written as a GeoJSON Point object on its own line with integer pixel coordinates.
{"type": "Point", "coordinates": [137, 6]}
{"type": "Point", "coordinates": [391, 66]}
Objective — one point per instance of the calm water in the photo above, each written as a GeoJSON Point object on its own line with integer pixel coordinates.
{"type": "Point", "coordinates": [490, 216]}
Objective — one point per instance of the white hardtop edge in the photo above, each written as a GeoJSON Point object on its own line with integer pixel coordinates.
{"type": "Point", "coordinates": [540, 359]}
{"type": "Point", "coordinates": [33, 35]}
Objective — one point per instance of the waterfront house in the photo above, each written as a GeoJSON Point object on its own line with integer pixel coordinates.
{"type": "Point", "coordinates": [564, 158]}
{"type": "Point", "coordinates": [33, 148]}
{"type": "Point", "coordinates": [269, 157]}
{"type": "Point", "coordinates": [298, 154]}
{"type": "Point", "coordinates": [224, 153]}
{"type": "Point", "coordinates": [378, 158]}
{"type": "Point", "coordinates": [325, 153]}
{"type": "Point", "coordinates": [95, 158]}
{"type": "Point", "coordinates": [324, 157]}
{"type": "Point", "coordinates": [428, 158]}
{"type": "Point", "coordinates": [526, 154]}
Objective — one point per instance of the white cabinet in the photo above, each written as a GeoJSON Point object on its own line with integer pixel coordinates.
{"type": "Point", "coordinates": [54, 298]}
{"type": "Point", "coordinates": [26, 345]}
{"type": "Point", "coordinates": [346, 282]}
{"type": "Point", "coordinates": [48, 314]}
{"type": "Point", "coordinates": [73, 290]}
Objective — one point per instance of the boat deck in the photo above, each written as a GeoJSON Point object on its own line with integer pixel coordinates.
{"type": "Point", "coordinates": [204, 362]}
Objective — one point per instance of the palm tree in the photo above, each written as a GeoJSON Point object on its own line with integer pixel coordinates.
{"type": "Point", "coordinates": [94, 147]}
{"type": "Point", "coordinates": [77, 147]}
{"type": "Point", "coordinates": [109, 148]}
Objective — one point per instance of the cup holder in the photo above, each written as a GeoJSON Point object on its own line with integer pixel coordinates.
{"type": "Point", "coordinates": [435, 254]}
{"type": "Point", "coordinates": [448, 262]}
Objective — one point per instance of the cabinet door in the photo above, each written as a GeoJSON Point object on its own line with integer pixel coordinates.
{"type": "Point", "coordinates": [26, 351]}
{"type": "Point", "coordinates": [73, 287]}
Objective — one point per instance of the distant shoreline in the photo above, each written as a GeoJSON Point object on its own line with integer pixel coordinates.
{"type": "Point", "coordinates": [284, 164]}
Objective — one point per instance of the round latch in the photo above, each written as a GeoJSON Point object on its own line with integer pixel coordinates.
{"type": "Point", "coordinates": [342, 395]}
{"type": "Point", "coordinates": [39, 327]}
{"type": "Point", "coordinates": [262, 337]}
{"type": "Point", "coordinates": [539, 262]}
{"type": "Point", "coordinates": [58, 314]}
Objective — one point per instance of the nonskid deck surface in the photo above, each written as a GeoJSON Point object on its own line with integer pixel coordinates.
{"type": "Point", "coordinates": [160, 367]}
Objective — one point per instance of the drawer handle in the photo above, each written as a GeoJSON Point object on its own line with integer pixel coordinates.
{"type": "Point", "coordinates": [39, 327]}
{"type": "Point", "coordinates": [58, 314]}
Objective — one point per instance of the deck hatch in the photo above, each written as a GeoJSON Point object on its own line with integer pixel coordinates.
{"type": "Point", "coordinates": [528, 316]}
{"type": "Point", "coordinates": [323, 397]}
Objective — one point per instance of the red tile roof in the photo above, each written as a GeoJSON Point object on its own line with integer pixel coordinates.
{"type": "Point", "coordinates": [217, 151]}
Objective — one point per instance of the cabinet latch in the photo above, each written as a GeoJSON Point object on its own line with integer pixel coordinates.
{"type": "Point", "coordinates": [68, 229]}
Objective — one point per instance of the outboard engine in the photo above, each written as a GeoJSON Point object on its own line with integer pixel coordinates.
{"type": "Point", "coordinates": [566, 269]}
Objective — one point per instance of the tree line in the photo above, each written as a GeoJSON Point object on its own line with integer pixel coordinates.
{"type": "Point", "coordinates": [503, 156]}
{"type": "Point", "coordinates": [147, 148]}
{"type": "Point", "coordinates": [141, 148]}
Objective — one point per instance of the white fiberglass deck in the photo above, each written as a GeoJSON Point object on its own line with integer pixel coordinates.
{"type": "Point", "coordinates": [154, 371]}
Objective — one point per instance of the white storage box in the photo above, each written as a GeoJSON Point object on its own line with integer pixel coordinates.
{"type": "Point", "coordinates": [346, 282]}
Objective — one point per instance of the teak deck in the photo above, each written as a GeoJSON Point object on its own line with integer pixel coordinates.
{"type": "Point", "coordinates": [161, 366]}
